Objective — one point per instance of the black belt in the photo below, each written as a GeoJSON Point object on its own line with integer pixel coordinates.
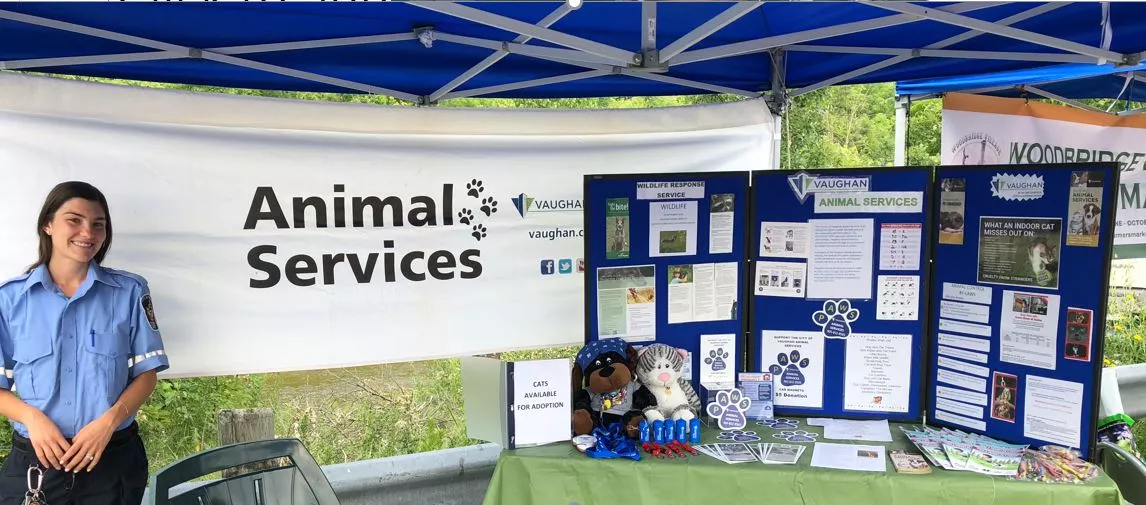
{"type": "Point", "coordinates": [117, 438]}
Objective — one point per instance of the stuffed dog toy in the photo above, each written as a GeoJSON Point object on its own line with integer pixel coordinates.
{"type": "Point", "coordinates": [604, 389]}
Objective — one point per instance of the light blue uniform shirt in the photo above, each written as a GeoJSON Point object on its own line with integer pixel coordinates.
{"type": "Point", "coordinates": [72, 358]}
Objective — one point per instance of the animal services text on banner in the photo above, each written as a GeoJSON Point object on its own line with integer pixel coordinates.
{"type": "Point", "coordinates": [279, 236]}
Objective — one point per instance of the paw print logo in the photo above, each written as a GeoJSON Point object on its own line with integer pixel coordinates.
{"type": "Point", "coordinates": [474, 188]}
{"type": "Point", "coordinates": [479, 232]}
{"type": "Point", "coordinates": [779, 423]}
{"type": "Point", "coordinates": [466, 217]}
{"type": "Point", "coordinates": [729, 409]}
{"type": "Point", "coordinates": [739, 436]}
{"type": "Point", "coordinates": [836, 318]}
{"type": "Point", "coordinates": [716, 359]}
{"type": "Point", "coordinates": [796, 436]}
{"type": "Point", "coordinates": [488, 206]}
{"type": "Point", "coordinates": [788, 367]}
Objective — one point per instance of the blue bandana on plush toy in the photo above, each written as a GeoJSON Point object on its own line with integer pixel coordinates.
{"type": "Point", "coordinates": [599, 347]}
{"type": "Point", "coordinates": [614, 402]}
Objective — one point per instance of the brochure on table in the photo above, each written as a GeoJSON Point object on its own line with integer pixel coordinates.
{"type": "Point", "coordinates": [1018, 305]}
{"type": "Point", "coordinates": [664, 257]}
{"type": "Point", "coordinates": [839, 289]}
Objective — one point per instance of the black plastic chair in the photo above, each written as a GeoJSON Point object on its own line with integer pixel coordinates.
{"type": "Point", "coordinates": [300, 483]}
{"type": "Point", "coordinates": [1126, 470]}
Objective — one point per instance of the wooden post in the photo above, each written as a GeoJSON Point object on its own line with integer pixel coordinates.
{"type": "Point", "coordinates": [247, 425]}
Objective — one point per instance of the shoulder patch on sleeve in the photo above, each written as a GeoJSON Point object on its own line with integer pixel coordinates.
{"type": "Point", "coordinates": [149, 311]}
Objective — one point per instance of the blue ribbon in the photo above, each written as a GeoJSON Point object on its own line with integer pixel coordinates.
{"type": "Point", "coordinates": [612, 444]}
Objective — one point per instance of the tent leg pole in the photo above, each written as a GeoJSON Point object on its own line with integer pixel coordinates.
{"type": "Point", "coordinates": [777, 124]}
{"type": "Point", "coordinates": [778, 101]}
{"type": "Point", "coordinates": [901, 131]}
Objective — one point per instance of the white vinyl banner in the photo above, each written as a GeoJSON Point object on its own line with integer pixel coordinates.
{"type": "Point", "coordinates": [280, 235]}
{"type": "Point", "coordinates": [981, 130]}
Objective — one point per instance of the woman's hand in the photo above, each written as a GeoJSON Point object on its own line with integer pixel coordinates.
{"type": "Point", "coordinates": [88, 445]}
{"type": "Point", "coordinates": [50, 445]}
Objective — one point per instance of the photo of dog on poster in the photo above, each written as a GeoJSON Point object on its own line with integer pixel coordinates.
{"type": "Point", "coordinates": [1085, 209]}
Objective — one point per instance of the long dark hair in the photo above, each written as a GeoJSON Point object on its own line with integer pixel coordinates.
{"type": "Point", "coordinates": [56, 197]}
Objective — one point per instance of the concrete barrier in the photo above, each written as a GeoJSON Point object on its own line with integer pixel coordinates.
{"type": "Point", "coordinates": [1132, 389]}
{"type": "Point", "coordinates": [456, 476]}
{"type": "Point", "coordinates": [448, 477]}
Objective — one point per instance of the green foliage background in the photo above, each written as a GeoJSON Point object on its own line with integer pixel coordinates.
{"type": "Point", "coordinates": [371, 412]}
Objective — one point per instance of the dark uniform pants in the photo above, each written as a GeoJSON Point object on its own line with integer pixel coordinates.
{"type": "Point", "coordinates": [120, 478]}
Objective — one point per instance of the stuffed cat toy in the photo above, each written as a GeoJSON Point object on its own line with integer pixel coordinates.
{"type": "Point", "coordinates": [604, 391]}
{"type": "Point", "coordinates": [659, 369]}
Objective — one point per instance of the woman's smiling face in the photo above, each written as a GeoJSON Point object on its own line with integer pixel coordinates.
{"type": "Point", "coordinates": [78, 230]}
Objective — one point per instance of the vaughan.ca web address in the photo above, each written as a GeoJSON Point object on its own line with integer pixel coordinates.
{"type": "Point", "coordinates": [556, 233]}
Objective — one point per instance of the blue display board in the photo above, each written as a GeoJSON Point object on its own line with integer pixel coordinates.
{"type": "Point", "coordinates": [664, 257]}
{"type": "Point", "coordinates": [1018, 308]}
{"type": "Point", "coordinates": [839, 290]}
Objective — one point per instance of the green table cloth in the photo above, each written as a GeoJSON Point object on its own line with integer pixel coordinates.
{"type": "Point", "coordinates": [557, 474]}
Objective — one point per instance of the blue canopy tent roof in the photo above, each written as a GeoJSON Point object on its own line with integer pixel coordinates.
{"type": "Point", "coordinates": [428, 51]}
{"type": "Point", "coordinates": [1072, 81]}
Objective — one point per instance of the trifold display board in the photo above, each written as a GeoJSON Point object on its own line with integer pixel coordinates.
{"type": "Point", "coordinates": [664, 255]}
{"type": "Point", "coordinates": [838, 310]}
{"type": "Point", "coordinates": [1020, 290]}
{"type": "Point", "coordinates": [970, 297]}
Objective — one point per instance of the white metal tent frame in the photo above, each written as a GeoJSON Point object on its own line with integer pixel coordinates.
{"type": "Point", "coordinates": [597, 59]}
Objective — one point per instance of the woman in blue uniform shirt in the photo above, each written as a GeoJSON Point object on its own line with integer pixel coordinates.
{"type": "Point", "coordinates": [81, 349]}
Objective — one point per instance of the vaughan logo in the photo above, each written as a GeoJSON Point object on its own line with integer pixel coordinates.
{"type": "Point", "coordinates": [1017, 187]}
{"type": "Point", "coordinates": [804, 184]}
{"type": "Point", "coordinates": [379, 212]}
{"type": "Point", "coordinates": [526, 204]}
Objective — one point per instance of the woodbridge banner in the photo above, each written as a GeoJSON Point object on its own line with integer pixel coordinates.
{"type": "Point", "coordinates": [280, 235]}
{"type": "Point", "coordinates": [981, 130]}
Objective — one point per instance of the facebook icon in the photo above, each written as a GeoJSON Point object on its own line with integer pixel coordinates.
{"type": "Point", "coordinates": [546, 267]}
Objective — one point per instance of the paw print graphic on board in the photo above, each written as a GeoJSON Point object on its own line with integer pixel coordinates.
{"type": "Point", "coordinates": [836, 318]}
{"type": "Point", "coordinates": [788, 367]}
{"type": "Point", "coordinates": [488, 206]}
{"type": "Point", "coordinates": [465, 217]}
{"type": "Point", "coordinates": [739, 436]}
{"type": "Point", "coordinates": [479, 232]}
{"type": "Point", "coordinates": [780, 423]}
{"type": "Point", "coordinates": [716, 359]}
{"type": "Point", "coordinates": [796, 436]}
{"type": "Point", "coordinates": [474, 188]}
{"type": "Point", "coordinates": [729, 409]}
